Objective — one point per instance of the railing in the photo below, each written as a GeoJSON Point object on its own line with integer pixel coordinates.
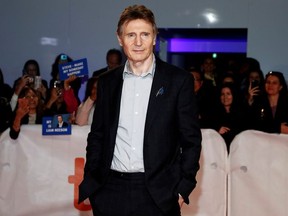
{"type": "Point", "coordinates": [39, 175]}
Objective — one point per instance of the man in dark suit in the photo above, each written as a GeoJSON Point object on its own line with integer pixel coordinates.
{"type": "Point", "coordinates": [113, 60]}
{"type": "Point", "coordinates": [144, 145]}
{"type": "Point", "coordinates": [61, 123]}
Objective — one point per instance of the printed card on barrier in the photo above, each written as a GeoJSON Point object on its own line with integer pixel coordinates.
{"type": "Point", "coordinates": [56, 125]}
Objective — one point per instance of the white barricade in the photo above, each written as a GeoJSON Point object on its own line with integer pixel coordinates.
{"type": "Point", "coordinates": [258, 179]}
{"type": "Point", "coordinates": [209, 196]}
{"type": "Point", "coordinates": [39, 175]}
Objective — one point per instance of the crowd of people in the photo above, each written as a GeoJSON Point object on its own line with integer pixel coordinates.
{"type": "Point", "coordinates": [31, 97]}
{"type": "Point", "coordinates": [229, 101]}
{"type": "Point", "coordinates": [145, 137]}
{"type": "Point", "coordinates": [240, 98]}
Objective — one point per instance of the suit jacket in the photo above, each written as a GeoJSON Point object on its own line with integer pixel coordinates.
{"type": "Point", "coordinates": [64, 125]}
{"type": "Point", "coordinates": [100, 71]}
{"type": "Point", "coordinates": [172, 136]}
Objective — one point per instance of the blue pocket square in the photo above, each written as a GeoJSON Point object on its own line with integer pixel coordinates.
{"type": "Point", "coordinates": [160, 91]}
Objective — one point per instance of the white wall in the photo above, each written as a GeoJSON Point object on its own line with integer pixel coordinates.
{"type": "Point", "coordinates": [87, 28]}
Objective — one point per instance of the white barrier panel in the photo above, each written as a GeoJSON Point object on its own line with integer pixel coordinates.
{"type": "Point", "coordinates": [259, 175]}
{"type": "Point", "coordinates": [209, 196]}
{"type": "Point", "coordinates": [39, 175]}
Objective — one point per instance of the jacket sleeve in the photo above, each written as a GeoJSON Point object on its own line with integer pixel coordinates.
{"type": "Point", "coordinates": [189, 137]}
{"type": "Point", "coordinates": [83, 112]}
{"type": "Point", "coordinates": [13, 134]}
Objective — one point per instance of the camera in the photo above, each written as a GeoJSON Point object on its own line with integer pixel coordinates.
{"type": "Point", "coordinates": [30, 79]}
{"type": "Point", "coordinates": [63, 57]}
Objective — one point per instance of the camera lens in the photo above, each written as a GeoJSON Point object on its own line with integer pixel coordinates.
{"type": "Point", "coordinates": [30, 79]}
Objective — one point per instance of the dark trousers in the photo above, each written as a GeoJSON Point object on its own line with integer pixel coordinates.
{"type": "Point", "coordinates": [125, 194]}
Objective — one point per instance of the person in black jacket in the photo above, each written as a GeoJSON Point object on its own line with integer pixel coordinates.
{"type": "Point", "coordinates": [206, 98]}
{"type": "Point", "coordinates": [61, 123]}
{"type": "Point", "coordinates": [269, 113]}
{"type": "Point", "coordinates": [229, 117]}
{"type": "Point", "coordinates": [144, 146]}
{"type": "Point", "coordinates": [113, 60]}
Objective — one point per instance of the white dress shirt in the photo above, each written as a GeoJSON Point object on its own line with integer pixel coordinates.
{"type": "Point", "coordinates": [128, 152]}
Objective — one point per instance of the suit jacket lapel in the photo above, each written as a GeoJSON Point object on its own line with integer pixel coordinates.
{"type": "Point", "coordinates": [115, 91]}
{"type": "Point", "coordinates": [157, 94]}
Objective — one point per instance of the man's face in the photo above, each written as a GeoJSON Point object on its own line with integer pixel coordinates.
{"type": "Point", "coordinates": [113, 61]}
{"type": "Point", "coordinates": [197, 81]}
{"type": "Point", "coordinates": [60, 119]}
{"type": "Point", "coordinates": [208, 65]}
{"type": "Point", "coordinates": [137, 39]}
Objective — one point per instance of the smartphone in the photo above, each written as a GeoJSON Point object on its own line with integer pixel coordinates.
{"type": "Point", "coordinates": [58, 84]}
{"type": "Point", "coordinates": [37, 82]}
{"type": "Point", "coordinates": [254, 83]}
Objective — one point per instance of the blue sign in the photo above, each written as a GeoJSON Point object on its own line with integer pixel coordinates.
{"type": "Point", "coordinates": [78, 68]}
{"type": "Point", "coordinates": [56, 125]}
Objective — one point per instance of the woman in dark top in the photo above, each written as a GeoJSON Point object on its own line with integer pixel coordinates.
{"type": "Point", "coordinates": [229, 116]}
{"type": "Point", "coordinates": [30, 72]}
{"type": "Point", "coordinates": [269, 113]}
{"type": "Point", "coordinates": [29, 110]}
{"type": "Point", "coordinates": [253, 83]}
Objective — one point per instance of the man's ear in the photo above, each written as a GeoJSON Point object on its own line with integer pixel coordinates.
{"type": "Point", "coordinates": [154, 41]}
{"type": "Point", "coordinates": [119, 40]}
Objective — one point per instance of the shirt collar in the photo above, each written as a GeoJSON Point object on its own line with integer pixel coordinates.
{"type": "Point", "coordinates": [151, 70]}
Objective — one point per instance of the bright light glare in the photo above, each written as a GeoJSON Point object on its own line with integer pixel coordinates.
{"type": "Point", "coordinates": [46, 41]}
{"type": "Point", "coordinates": [211, 15]}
